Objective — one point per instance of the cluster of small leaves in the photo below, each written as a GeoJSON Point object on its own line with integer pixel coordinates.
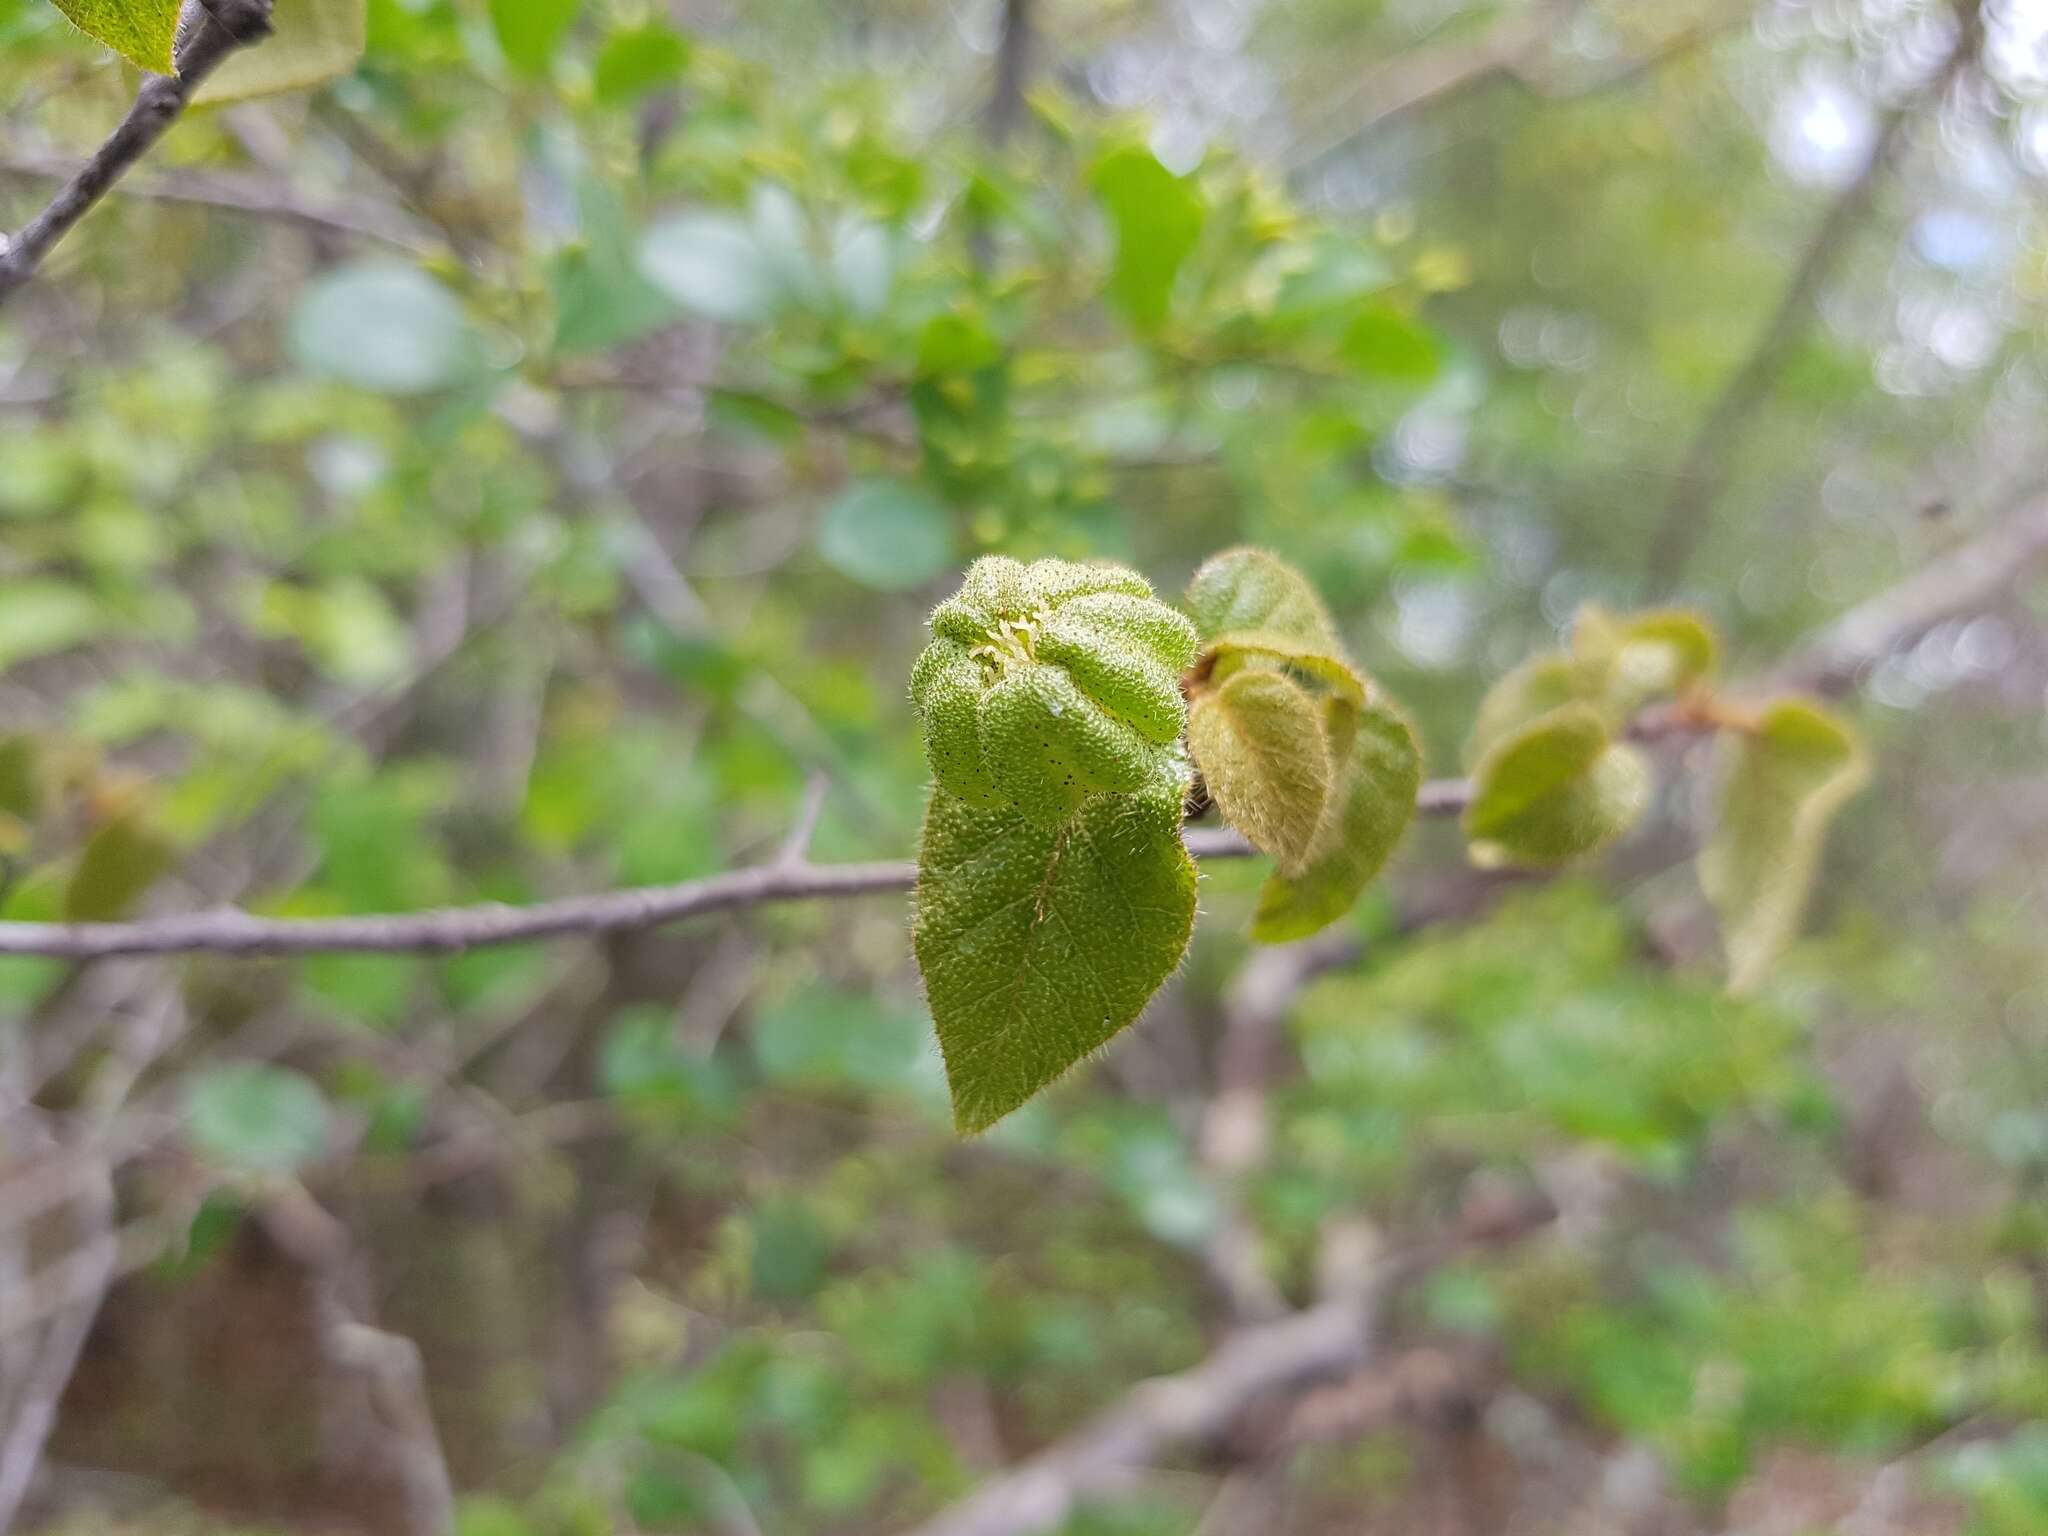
{"type": "Point", "coordinates": [1554, 777]}
{"type": "Point", "coordinates": [1055, 894]}
{"type": "Point", "coordinates": [1064, 708]}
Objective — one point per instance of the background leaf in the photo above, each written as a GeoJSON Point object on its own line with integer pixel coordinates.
{"type": "Point", "coordinates": [123, 857]}
{"type": "Point", "coordinates": [1258, 740]}
{"type": "Point", "coordinates": [1368, 810]}
{"type": "Point", "coordinates": [713, 264]}
{"type": "Point", "coordinates": [888, 534]}
{"type": "Point", "coordinates": [261, 1118]}
{"type": "Point", "coordinates": [1039, 943]}
{"type": "Point", "coordinates": [311, 42]}
{"type": "Point", "coordinates": [1157, 217]}
{"type": "Point", "coordinates": [382, 326]}
{"type": "Point", "coordinates": [1558, 789]}
{"type": "Point", "coordinates": [1781, 785]}
{"type": "Point", "coordinates": [530, 31]}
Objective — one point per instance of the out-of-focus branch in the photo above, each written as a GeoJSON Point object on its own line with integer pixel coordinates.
{"type": "Point", "coordinates": [258, 197]}
{"type": "Point", "coordinates": [375, 1412]}
{"type": "Point", "coordinates": [1509, 50]}
{"type": "Point", "coordinates": [221, 28]}
{"type": "Point", "coordinates": [1960, 581]}
{"type": "Point", "coordinates": [1013, 65]}
{"type": "Point", "coordinates": [1708, 464]}
{"type": "Point", "coordinates": [1250, 1365]}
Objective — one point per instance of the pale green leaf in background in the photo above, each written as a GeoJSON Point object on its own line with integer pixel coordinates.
{"type": "Point", "coordinates": [638, 59]}
{"type": "Point", "coordinates": [888, 534]}
{"type": "Point", "coordinates": [310, 43]}
{"type": "Point", "coordinates": [1368, 810]}
{"type": "Point", "coordinates": [1040, 943]}
{"type": "Point", "coordinates": [384, 327]}
{"type": "Point", "coordinates": [256, 1117]}
{"type": "Point", "coordinates": [1558, 789]}
{"type": "Point", "coordinates": [142, 31]}
{"type": "Point", "coordinates": [1258, 740]}
{"type": "Point", "coordinates": [1524, 694]}
{"type": "Point", "coordinates": [1157, 217]}
{"type": "Point", "coordinates": [38, 617]}
{"type": "Point", "coordinates": [1781, 784]}
{"type": "Point", "coordinates": [530, 31]}
{"type": "Point", "coordinates": [124, 856]}
{"type": "Point", "coordinates": [711, 263]}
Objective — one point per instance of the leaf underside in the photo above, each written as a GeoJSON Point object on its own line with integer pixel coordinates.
{"type": "Point", "coordinates": [310, 43]}
{"type": "Point", "coordinates": [1040, 943]}
{"type": "Point", "coordinates": [1369, 808]}
{"type": "Point", "coordinates": [1780, 787]}
{"type": "Point", "coordinates": [1259, 742]}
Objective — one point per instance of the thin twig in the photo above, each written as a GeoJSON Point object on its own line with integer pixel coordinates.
{"type": "Point", "coordinates": [222, 27]}
{"type": "Point", "coordinates": [451, 930]}
{"type": "Point", "coordinates": [1199, 1404]}
{"type": "Point", "coordinates": [256, 197]}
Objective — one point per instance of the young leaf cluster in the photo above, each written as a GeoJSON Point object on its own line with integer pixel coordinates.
{"type": "Point", "coordinates": [1067, 712]}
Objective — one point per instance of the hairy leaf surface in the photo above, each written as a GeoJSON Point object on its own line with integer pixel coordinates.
{"type": "Point", "coordinates": [1039, 943]}
{"type": "Point", "coordinates": [1248, 589]}
{"type": "Point", "coordinates": [1259, 742]}
{"type": "Point", "coordinates": [142, 31]}
{"type": "Point", "coordinates": [1781, 785]}
{"type": "Point", "coordinates": [1367, 811]}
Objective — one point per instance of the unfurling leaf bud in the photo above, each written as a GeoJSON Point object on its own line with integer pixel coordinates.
{"type": "Point", "coordinates": [1050, 681]}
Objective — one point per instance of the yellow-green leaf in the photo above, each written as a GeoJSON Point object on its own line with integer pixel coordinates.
{"type": "Point", "coordinates": [1259, 742]}
{"type": "Point", "coordinates": [1556, 790]}
{"type": "Point", "coordinates": [1039, 943]}
{"type": "Point", "coordinates": [124, 857]}
{"type": "Point", "coordinates": [310, 43]}
{"type": "Point", "coordinates": [142, 31]}
{"type": "Point", "coordinates": [1527, 693]}
{"type": "Point", "coordinates": [1781, 784]}
{"type": "Point", "coordinates": [1369, 808]}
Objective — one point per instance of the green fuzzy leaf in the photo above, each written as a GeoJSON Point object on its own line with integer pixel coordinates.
{"type": "Point", "coordinates": [1039, 943]}
{"type": "Point", "coordinates": [1157, 217]}
{"type": "Point", "coordinates": [1259, 743]}
{"type": "Point", "coordinates": [142, 31]}
{"type": "Point", "coordinates": [310, 43]}
{"type": "Point", "coordinates": [124, 857]}
{"type": "Point", "coordinates": [1047, 682]}
{"type": "Point", "coordinates": [1556, 790]}
{"type": "Point", "coordinates": [1250, 590]}
{"type": "Point", "coordinates": [1364, 818]}
{"type": "Point", "coordinates": [1781, 785]}
{"type": "Point", "coordinates": [21, 778]}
